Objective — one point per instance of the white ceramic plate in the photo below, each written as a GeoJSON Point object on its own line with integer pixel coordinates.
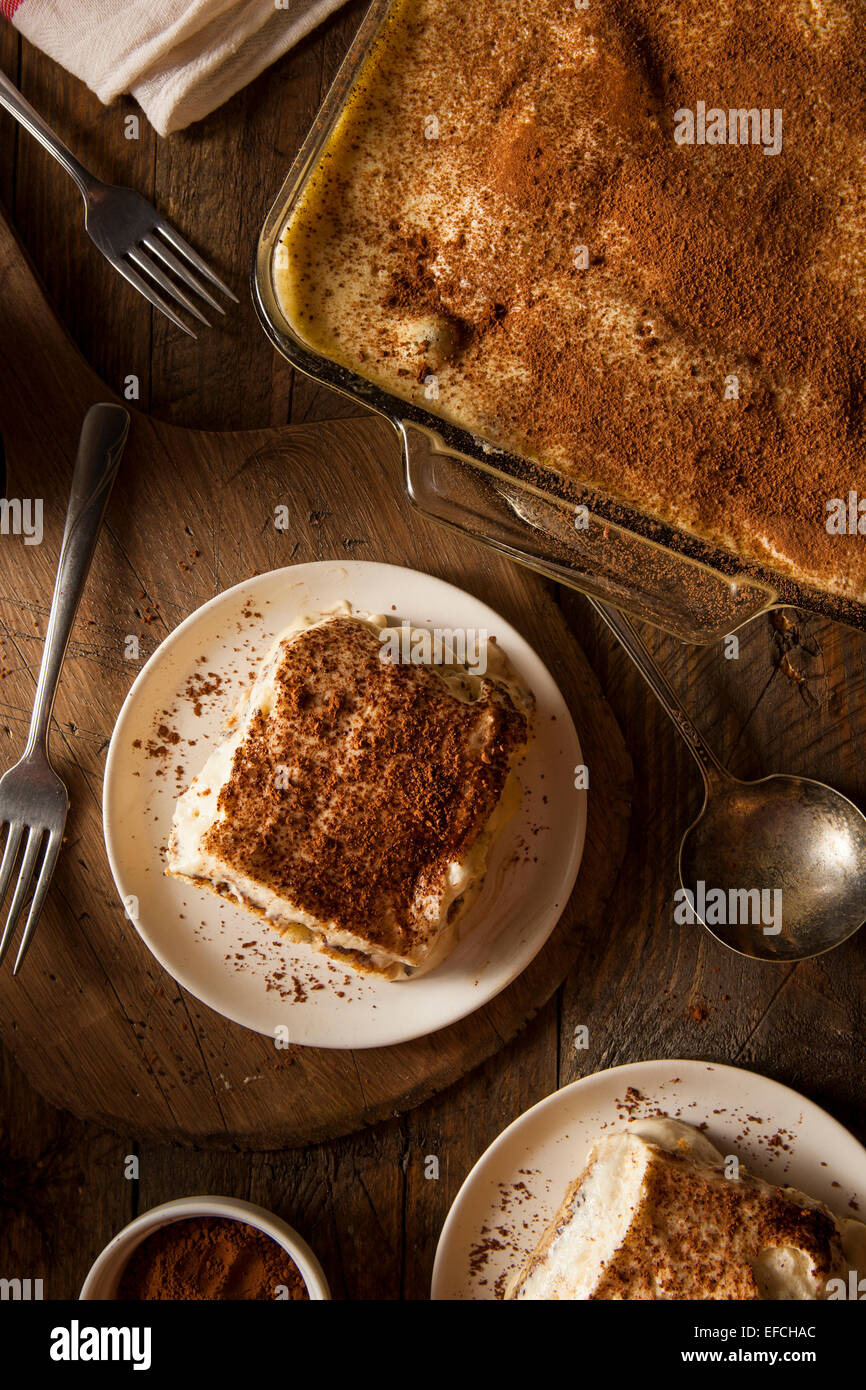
{"type": "Point", "coordinates": [229, 958]}
{"type": "Point", "coordinates": [515, 1188]}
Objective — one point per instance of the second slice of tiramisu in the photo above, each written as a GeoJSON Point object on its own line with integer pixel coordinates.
{"type": "Point", "coordinates": [658, 1213]}
{"type": "Point", "coordinates": [355, 800]}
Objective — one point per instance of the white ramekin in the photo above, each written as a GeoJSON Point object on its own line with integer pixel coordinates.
{"type": "Point", "coordinates": [102, 1281]}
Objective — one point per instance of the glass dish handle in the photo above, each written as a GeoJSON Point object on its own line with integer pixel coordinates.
{"type": "Point", "coordinates": [575, 547]}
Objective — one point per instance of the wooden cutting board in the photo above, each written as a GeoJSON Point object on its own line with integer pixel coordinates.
{"type": "Point", "coordinates": [94, 1021]}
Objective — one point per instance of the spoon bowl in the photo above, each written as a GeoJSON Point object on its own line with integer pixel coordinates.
{"type": "Point", "coordinates": [782, 862]}
{"type": "Point", "coordinates": [774, 869]}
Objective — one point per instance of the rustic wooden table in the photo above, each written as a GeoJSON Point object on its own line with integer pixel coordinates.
{"type": "Point", "coordinates": [794, 700]}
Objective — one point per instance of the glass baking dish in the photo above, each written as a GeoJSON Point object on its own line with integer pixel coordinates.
{"type": "Point", "coordinates": [607, 548]}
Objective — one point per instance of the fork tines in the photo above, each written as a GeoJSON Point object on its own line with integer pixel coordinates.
{"type": "Point", "coordinates": [161, 244]}
{"type": "Point", "coordinates": [26, 873]}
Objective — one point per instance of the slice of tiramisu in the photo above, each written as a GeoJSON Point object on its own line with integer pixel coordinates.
{"type": "Point", "coordinates": [658, 1213]}
{"type": "Point", "coordinates": [354, 801]}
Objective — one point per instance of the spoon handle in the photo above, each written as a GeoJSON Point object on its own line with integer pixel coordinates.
{"type": "Point", "coordinates": [627, 635]}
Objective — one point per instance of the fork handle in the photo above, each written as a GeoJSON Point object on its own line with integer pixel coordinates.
{"type": "Point", "coordinates": [20, 108]}
{"type": "Point", "coordinates": [100, 447]}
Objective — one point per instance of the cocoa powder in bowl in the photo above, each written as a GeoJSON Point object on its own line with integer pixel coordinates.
{"type": "Point", "coordinates": [209, 1258]}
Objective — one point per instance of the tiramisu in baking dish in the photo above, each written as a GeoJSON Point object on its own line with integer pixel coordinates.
{"type": "Point", "coordinates": [354, 801]}
{"type": "Point", "coordinates": [625, 241]}
{"type": "Point", "coordinates": [660, 1213]}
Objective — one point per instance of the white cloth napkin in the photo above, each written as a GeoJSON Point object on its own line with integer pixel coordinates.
{"type": "Point", "coordinates": [180, 59]}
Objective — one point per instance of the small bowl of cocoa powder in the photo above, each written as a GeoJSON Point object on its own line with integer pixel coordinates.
{"type": "Point", "coordinates": [207, 1249]}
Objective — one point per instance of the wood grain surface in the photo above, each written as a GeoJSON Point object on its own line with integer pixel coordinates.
{"type": "Point", "coordinates": [793, 700]}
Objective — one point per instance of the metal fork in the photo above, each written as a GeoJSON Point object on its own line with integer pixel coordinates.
{"type": "Point", "coordinates": [125, 227]}
{"type": "Point", "coordinates": [33, 799]}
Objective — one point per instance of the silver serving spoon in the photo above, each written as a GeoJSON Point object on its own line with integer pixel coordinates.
{"type": "Point", "coordinates": [798, 844]}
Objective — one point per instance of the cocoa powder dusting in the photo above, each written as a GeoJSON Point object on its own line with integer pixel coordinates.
{"type": "Point", "coordinates": [210, 1259]}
